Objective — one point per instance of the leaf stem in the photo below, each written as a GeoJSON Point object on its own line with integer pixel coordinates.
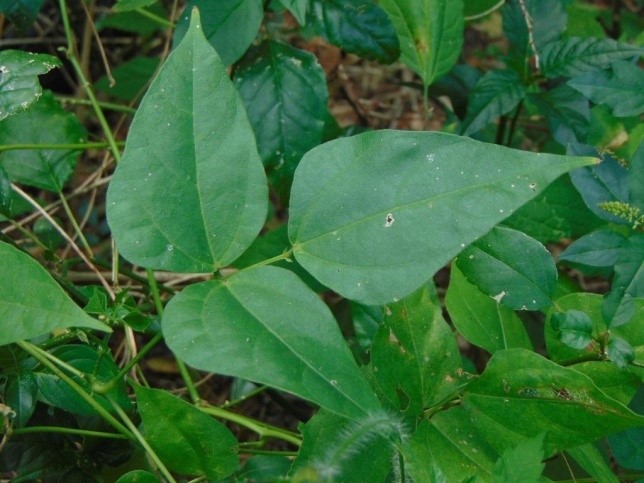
{"type": "Point", "coordinates": [284, 256]}
{"type": "Point", "coordinates": [155, 18]}
{"type": "Point", "coordinates": [58, 429]}
{"type": "Point", "coordinates": [77, 229]}
{"type": "Point", "coordinates": [65, 147]}
{"type": "Point", "coordinates": [190, 385]}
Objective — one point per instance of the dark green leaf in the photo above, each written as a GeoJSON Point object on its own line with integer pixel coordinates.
{"type": "Point", "coordinates": [495, 94]}
{"type": "Point", "coordinates": [509, 266]}
{"type": "Point", "coordinates": [619, 351]}
{"type": "Point", "coordinates": [591, 460]}
{"type": "Point", "coordinates": [298, 9]}
{"type": "Point", "coordinates": [430, 33]}
{"type": "Point", "coordinates": [357, 26]}
{"type": "Point", "coordinates": [134, 21]}
{"type": "Point", "coordinates": [22, 13]}
{"type": "Point", "coordinates": [567, 113]}
{"type": "Point", "coordinates": [373, 216]}
{"type": "Point", "coordinates": [45, 122]}
{"type": "Point", "coordinates": [457, 85]}
{"type": "Point", "coordinates": [131, 78]}
{"type": "Point", "coordinates": [265, 325]}
{"type": "Point", "coordinates": [575, 56]}
{"type": "Point", "coordinates": [31, 302]}
{"type": "Point", "coordinates": [575, 328]}
{"type": "Point", "coordinates": [187, 440]}
{"type": "Point", "coordinates": [20, 392]}
{"type": "Point", "coordinates": [636, 177]}
{"type": "Point", "coordinates": [47, 234]}
{"type": "Point", "coordinates": [481, 319]}
{"type": "Point", "coordinates": [190, 192]}
{"type": "Point", "coordinates": [366, 320]}
{"type": "Point", "coordinates": [619, 88]}
{"type": "Point", "coordinates": [597, 249]}
{"type": "Point", "coordinates": [19, 85]}
{"type": "Point", "coordinates": [6, 193]}
{"type": "Point", "coordinates": [229, 25]}
{"type": "Point", "coordinates": [125, 5]}
{"type": "Point", "coordinates": [521, 463]}
{"type": "Point", "coordinates": [264, 468]}
{"type": "Point", "coordinates": [628, 446]}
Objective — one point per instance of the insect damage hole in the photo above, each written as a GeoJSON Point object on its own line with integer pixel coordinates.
{"type": "Point", "coordinates": [389, 220]}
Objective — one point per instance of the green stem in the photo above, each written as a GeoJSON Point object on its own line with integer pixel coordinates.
{"type": "Point", "coordinates": [190, 385]}
{"type": "Point", "coordinates": [268, 452]}
{"type": "Point", "coordinates": [130, 274]}
{"type": "Point", "coordinates": [77, 228]}
{"type": "Point", "coordinates": [64, 147]}
{"type": "Point", "coordinates": [253, 393]}
{"type": "Point", "coordinates": [35, 352]}
{"type": "Point", "coordinates": [580, 359]}
{"type": "Point", "coordinates": [284, 256]}
{"type": "Point", "coordinates": [154, 288]}
{"type": "Point", "coordinates": [263, 430]}
{"type": "Point", "coordinates": [111, 106]}
{"type": "Point", "coordinates": [27, 233]}
{"type": "Point", "coordinates": [57, 429]}
{"type": "Point", "coordinates": [155, 18]}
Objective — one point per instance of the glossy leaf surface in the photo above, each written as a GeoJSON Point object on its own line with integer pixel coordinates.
{"type": "Point", "coordinates": [33, 302]}
{"type": "Point", "coordinates": [265, 325]}
{"type": "Point", "coordinates": [373, 216]}
{"type": "Point", "coordinates": [575, 328]}
{"type": "Point", "coordinates": [190, 193]}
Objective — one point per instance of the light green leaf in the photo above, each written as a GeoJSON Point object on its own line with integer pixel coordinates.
{"type": "Point", "coordinates": [591, 460]}
{"type": "Point", "coordinates": [430, 34]}
{"type": "Point", "coordinates": [126, 5]}
{"type": "Point", "coordinates": [373, 216]}
{"type": "Point", "coordinates": [229, 25]}
{"type": "Point", "coordinates": [31, 302]}
{"type": "Point", "coordinates": [510, 401]}
{"type": "Point", "coordinates": [19, 85]}
{"type": "Point", "coordinates": [45, 122]}
{"type": "Point", "coordinates": [511, 267]}
{"type": "Point", "coordinates": [619, 351]}
{"type": "Point", "coordinates": [618, 384]}
{"type": "Point", "coordinates": [521, 463]}
{"type": "Point", "coordinates": [187, 440]}
{"type": "Point", "coordinates": [495, 94]}
{"type": "Point", "coordinates": [265, 325]}
{"type": "Point", "coordinates": [298, 9]}
{"type": "Point", "coordinates": [481, 319]}
{"type": "Point", "coordinates": [575, 56]}
{"type": "Point", "coordinates": [190, 193]}
{"type": "Point", "coordinates": [620, 88]}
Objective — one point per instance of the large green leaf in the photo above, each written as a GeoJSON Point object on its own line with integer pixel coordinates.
{"type": "Point", "coordinates": [619, 384]}
{"type": "Point", "coordinates": [430, 33]}
{"type": "Point", "coordinates": [31, 302]}
{"type": "Point", "coordinates": [522, 394]}
{"type": "Point", "coordinates": [481, 319]}
{"type": "Point", "coordinates": [575, 56]}
{"type": "Point", "coordinates": [19, 394]}
{"type": "Point", "coordinates": [19, 86]}
{"type": "Point", "coordinates": [265, 325]}
{"type": "Point", "coordinates": [44, 122]}
{"type": "Point", "coordinates": [229, 25]}
{"type": "Point", "coordinates": [190, 193]}
{"type": "Point", "coordinates": [374, 216]}
{"type": "Point", "coordinates": [187, 440]}
{"type": "Point", "coordinates": [510, 266]}
{"type": "Point", "coordinates": [599, 249]}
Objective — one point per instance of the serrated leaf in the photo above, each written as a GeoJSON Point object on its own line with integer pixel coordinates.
{"type": "Point", "coordinates": [575, 56]}
{"type": "Point", "coordinates": [31, 302]}
{"type": "Point", "coordinates": [511, 267]}
{"type": "Point", "coordinates": [22, 13]}
{"type": "Point", "coordinates": [45, 122]}
{"type": "Point", "coordinates": [620, 352]}
{"type": "Point", "coordinates": [19, 85]}
{"type": "Point", "coordinates": [373, 216]}
{"type": "Point", "coordinates": [567, 113]}
{"type": "Point", "coordinates": [597, 249]}
{"type": "Point", "coordinates": [619, 88]}
{"type": "Point", "coordinates": [430, 33]}
{"type": "Point", "coordinates": [268, 327]}
{"type": "Point", "coordinates": [521, 463]}
{"type": "Point", "coordinates": [481, 319]}
{"type": "Point", "coordinates": [187, 440]}
{"type": "Point", "coordinates": [575, 328]}
{"type": "Point", "coordinates": [229, 25]}
{"type": "Point", "coordinates": [20, 393]}
{"type": "Point", "coordinates": [190, 194]}
{"type": "Point", "coordinates": [495, 94]}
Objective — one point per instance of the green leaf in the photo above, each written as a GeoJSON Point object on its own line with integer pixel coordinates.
{"type": "Point", "coordinates": [619, 351]}
{"type": "Point", "coordinates": [495, 94]}
{"type": "Point", "coordinates": [298, 9]}
{"type": "Point", "coordinates": [285, 94]}
{"type": "Point", "coordinates": [628, 446]}
{"type": "Point", "coordinates": [45, 122]}
{"type": "Point", "coordinates": [357, 26]}
{"type": "Point", "coordinates": [138, 22]}
{"type": "Point", "coordinates": [190, 193]}
{"type": "Point", "coordinates": [19, 85]}
{"type": "Point", "coordinates": [187, 440]}
{"type": "Point", "coordinates": [619, 88]}
{"type": "Point", "coordinates": [481, 319]}
{"type": "Point", "coordinates": [636, 177]}
{"type": "Point", "coordinates": [229, 25]}
{"type": "Point", "coordinates": [415, 359]}
{"type": "Point", "coordinates": [600, 249]}
{"type": "Point", "coordinates": [366, 320]}
{"type": "Point", "coordinates": [511, 267]}
{"type": "Point", "coordinates": [509, 401]}
{"type": "Point", "coordinates": [138, 476]}
{"type": "Point", "coordinates": [521, 463]}
{"type": "Point", "coordinates": [20, 393]}
{"type": "Point", "coordinates": [575, 56]}
{"type": "Point", "coordinates": [126, 5]}
{"type": "Point", "coordinates": [619, 384]}
{"type": "Point", "coordinates": [591, 460]}
{"type": "Point", "coordinates": [31, 302]}
{"type": "Point", "coordinates": [131, 78]}
{"type": "Point", "coordinates": [265, 325]}
{"type": "Point", "coordinates": [373, 216]}
{"type": "Point", "coordinates": [575, 328]}
{"type": "Point", "coordinates": [264, 468]}
{"type": "Point", "coordinates": [430, 33]}
{"type": "Point", "coordinates": [6, 194]}
{"type": "Point", "coordinates": [22, 13]}
{"type": "Point", "coordinates": [567, 113]}
{"type": "Point", "coordinates": [475, 9]}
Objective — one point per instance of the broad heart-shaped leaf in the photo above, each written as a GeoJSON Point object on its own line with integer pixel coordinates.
{"type": "Point", "coordinates": [522, 394]}
{"type": "Point", "coordinates": [481, 319]}
{"type": "Point", "coordinates": [22, 13]}
{"type": "Point", "coordinates": [510, 266]}
{"type": "Point", "coordinates": [229, 25]}
{"type": "Point", "coordinates": [190, 194]}
{"type": "Point", "coordinates": [373, 216]}
{"type": "Point", "coordinates": [187, 440]}
{"type": "Point", "coordinates": [285, 94]}
{"type": "Point", "coordinates": [357, 26]}
{"type": "Point", "coordinates": [19, 86]}
{"type": "Point", "coordinates": [266, 326]}
{"type": "Point", "coordinates": [575, 56]}
{"type": "Point", "coordinates": [620, 88]}
{"type": "Point", "coordinates": [430, 33]}
{"type": "Point", "coordinates": [31, 302]}
{"type": "Point", "coordinates": [415, 359]}
{"type": "Point", "coordinates": [495, 94]}
{"type": "Point", "coordinates": [44, 122]}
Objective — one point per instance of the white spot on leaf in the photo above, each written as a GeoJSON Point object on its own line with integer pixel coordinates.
{"type": "Point", "coordinates": [389, 220]}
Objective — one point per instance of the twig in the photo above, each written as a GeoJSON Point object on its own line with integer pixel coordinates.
{"type": "Point", "coordinates": [530, 25]}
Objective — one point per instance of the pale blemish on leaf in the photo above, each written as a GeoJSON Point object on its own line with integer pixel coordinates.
{"type": "Point", "coordinates": [498, 297]}
{"type": "Point", "coordinates": [389, 220]}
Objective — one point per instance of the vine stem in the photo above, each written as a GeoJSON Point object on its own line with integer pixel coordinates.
{"type": "Point", "coordinates": [63, 430]}
{"type": "Point", "coordinates": [65, 147]}
{"type": "Point", "coordinates": [284, 256]}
